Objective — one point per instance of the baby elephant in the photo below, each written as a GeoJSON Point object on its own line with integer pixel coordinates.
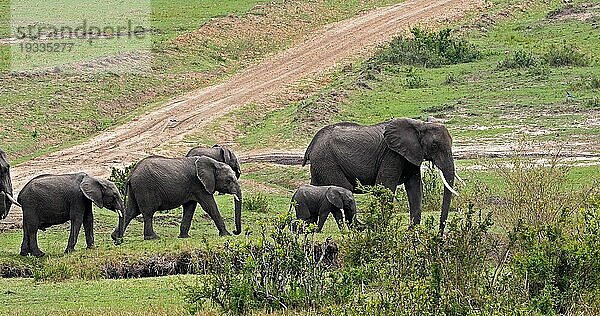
{"type": "Point", "coordinates": [55, 199]}
{"type": "Point", "coordinates": [314, 203]}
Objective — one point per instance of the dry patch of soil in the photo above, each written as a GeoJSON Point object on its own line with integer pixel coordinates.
{"type": "Point", "coordinates": [319, 54]}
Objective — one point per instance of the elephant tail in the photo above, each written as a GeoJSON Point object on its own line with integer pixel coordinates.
{"type": "Point", "coordinates": [314, 142]}
{"type": "Point", "coordinates": [307, 154]}
{"type": "Point", "coordinates": [292, 202]}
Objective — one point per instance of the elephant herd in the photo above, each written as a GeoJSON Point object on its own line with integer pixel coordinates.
{"type": "Point", "coordinates": [341, 156]}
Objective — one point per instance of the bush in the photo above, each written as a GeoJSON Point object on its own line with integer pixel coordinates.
{"type": "Point", "coordinates": [519, 59]}
{"type": "Point", "coordinates": [594, 83]}
{"type": "Point", "coordinates": [561, 267]}
{"type": "Point", "coordinates": [119, 177]}
{"type": "Point", "coordinates": [414, 80]}
{"type": "Point", "coordinates": [535, 194]}
{"type": "Point", "coordinates": [565, 55]}
{"type": "Point", "coordinates": [534, 267]}
{"type": "Point", "coordinates": [258, 202]}
{"type": "Point", "coordinates": [593, 103]}
{"type": "Point", "coordinates": [282, 270]}
{"type": "Point", "coordinates": [427, 49]}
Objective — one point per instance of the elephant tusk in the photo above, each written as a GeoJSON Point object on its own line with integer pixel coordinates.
{"type": "Point", "coordinates": [343, 219]}
{"type": "Point", "coordinates": [458, 177]}
{"type": "Point", "coordinates": [120, 213]}
{"type": "Point", "coordinates": [12, 200]}
{"type": "Point", "coordinates": [236, 197]}
{"type": "Point", "coordinates": [446, 184]}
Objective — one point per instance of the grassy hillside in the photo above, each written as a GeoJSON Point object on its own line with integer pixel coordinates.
{"type": "Point", "coordinates": [493, 100]}
{"type": "Point", "coordinates": [489, 263]}
{"type": "Point", "coordinates": [195, 43]}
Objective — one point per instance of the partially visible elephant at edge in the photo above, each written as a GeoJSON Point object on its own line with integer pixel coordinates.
{"type": "Point", "coordinates": [389, 153]}
{"type": "Point", "coordinates": [55, 199]}
{"type": "Point", "coordinates": [158, 184]}
{"type": "Point", "coordinates": [314, 203]}
{"type": "Point", "coordinates": [6, 189]}
{"type": "Point", "coordinates": [218, 153]}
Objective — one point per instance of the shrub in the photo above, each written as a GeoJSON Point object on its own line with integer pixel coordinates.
{"type": "Point", "coordinates": [119, 177]}
{"type": "Point", "coordinates": [433, 189]}
{"type": "Point", "coordinates": [282, 270]}
{"type": "Point", "coordinates": [593, 103]}
{"type": "Point", "coordinates": [427, 49]}
{"type": "Point", "coordinates": [390, 268]}
{"type": "Point", "coordinates": [258, 202]}
{"type": "Point", "coordinates": [535, 194]}
{"type": "Point", "coordinates": [565, 55]}
{"type": "Point", "coordinates": [54, 269]}
{"type": "Point", "coordinates": [451, 79]}
{"type": "Point", "coordinates": [519, 59]}
{"type": "Point", "coordinates": [414, 80]}
{"type": "Point", "coordinates": [594, 83]}
{"type": "Point", "coordinates": [561, 267]}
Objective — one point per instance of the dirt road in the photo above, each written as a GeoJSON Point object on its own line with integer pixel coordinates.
{"type": "Point", "coordinates": [319, 53]}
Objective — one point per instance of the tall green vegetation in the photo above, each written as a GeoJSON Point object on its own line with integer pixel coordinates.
{"type": "Point", "coordinates": [426, 49]}
{"type": "Point", "coordinates": [543, 259]}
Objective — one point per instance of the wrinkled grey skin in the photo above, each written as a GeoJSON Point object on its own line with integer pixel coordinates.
{"type": "Point", "coordinates": [158, 184]}
{"type": "Point", "coordinates": [55, 199]}
{"type": "Point", "coordinates": [314, 203]}
{"type": "Point", "coordinates": [389, 153]}
{"type": "Point", "coordinates": [5, 186]}
{"type": "Point", "coordinates": [218, 153]}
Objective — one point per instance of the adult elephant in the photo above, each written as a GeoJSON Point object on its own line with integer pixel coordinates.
{"type": "Point", "coordinates": [6, 189]}
{"type": "Point", "coordinates": [55, 199]}
{"type": "Point", "coordinates": [157, 184]}
{"type": "Point", "coordinates": [218, 153]}
{"type": "Point", "coordinates": [388, 153]}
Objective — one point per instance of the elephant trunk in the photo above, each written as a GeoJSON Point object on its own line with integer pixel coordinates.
{"type": "Point", "coordinates": [238, 212]}
{"type": "Point", "coordinates": [3, 206]}
{"type": "Point", "coordinates": [448, 174]}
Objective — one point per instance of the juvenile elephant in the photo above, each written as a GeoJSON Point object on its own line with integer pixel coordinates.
{"type": "Point", "coordinates": [314, 203]}
{"type": "Point", "coordinates": [55, 199]}
{"type": "Point", "coordinates": [388, 153]}
{"type": "Point", "coordinates": [218, 153]}
{"type": "Point", "coordinates": [158, 184]}
{"type": "Point", "coordinates": [6, 189]}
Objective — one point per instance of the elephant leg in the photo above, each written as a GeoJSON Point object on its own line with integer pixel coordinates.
{"type": "Point", "coordinates": [88, 227]}
{"type": "Point", "coordinates": [210, 207]}
{"type": "Point", "coordinates": [323, 214]}
{"type": "Point", "coordinates": [302, 213]}
{"type": "Point", "coordinates": [30, 244]}
{"type": "Point", "coordinates": [26, 244]}
{"type": "Point", "coordinates": [33, 244]}
{"type": "Point", "coordinates": [186, 221]}
{"type": "Point", "coordinates": [339, 218]}
{"type": "Point", "coordinates": [414, 191]}
{"type": "Point", "coordinates": [127, 218]}
{"type": "Point", "coordinates": [149, 233]}
{"type": "Point", "coordinates": [76, 222]}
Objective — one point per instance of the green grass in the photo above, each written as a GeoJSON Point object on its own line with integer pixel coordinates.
{"type": "Point", "coordinates": [482, 103]}
{"type": "Point", "coordinates": [497, 102]}
{"type": "Point", "coordinates": [149, 296]}
{"type": "Point", "coordinates": [43, 113]}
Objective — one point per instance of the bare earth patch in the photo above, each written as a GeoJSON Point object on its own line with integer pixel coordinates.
{"type": "Point", "coordinates": [320, 53]}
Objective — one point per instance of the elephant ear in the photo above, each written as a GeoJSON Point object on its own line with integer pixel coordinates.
{"type": "Point", "coordinates": [226, 155]}
{"type": "Point", "coordinates": [205, 171]}
{"type": "Point", "coordinates": [92, 189]}
{"type": "Point", "coordinates": [403, 137]}
{"type": "Point", "coordinates": [334, 197]}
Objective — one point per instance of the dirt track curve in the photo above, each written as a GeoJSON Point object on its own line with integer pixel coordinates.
{"type": "Point", "coordinates": [319, 53]}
